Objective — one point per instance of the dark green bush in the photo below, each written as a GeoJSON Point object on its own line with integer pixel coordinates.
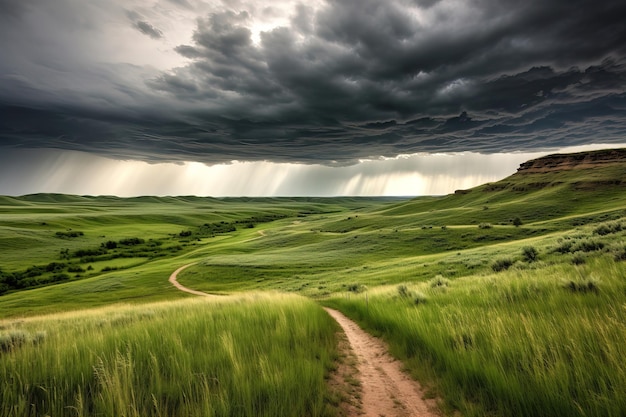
{"type": "Point", "coordinates": [132, 241]}
{"type": "Point", "coordinates": [589, 245]}
{"type": "Point", "coordinates": [501, 264]}
{"type": "Point", "coordinates": [110, 244]}
{"type": "Point", "coordinates": [582, 285]}
{"type": "Point", "coordinates": [69, 234]}
{"type": "Point", "coordinates": [564, 247]}
{"type": "Point", "coordinates": [530, 254]}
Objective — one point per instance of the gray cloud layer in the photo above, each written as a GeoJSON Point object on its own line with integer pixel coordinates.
{"type": "Point", "coordinates": [344, 80]}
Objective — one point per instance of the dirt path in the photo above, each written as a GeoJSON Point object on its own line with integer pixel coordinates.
{"type": "Point", "coordinates": [181, 287]}
{"type": "Point", "coordinates": [387, 391]}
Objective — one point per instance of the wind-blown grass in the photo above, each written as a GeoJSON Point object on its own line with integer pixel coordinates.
{"type": "Point", "coordinates": [258, 355]}
{"type": "Point", "coordinates": [518, 343]}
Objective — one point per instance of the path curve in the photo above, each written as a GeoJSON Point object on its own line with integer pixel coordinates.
{"type": "Point", "coordinates": [387, 391]}
{"type": "Point", "coordinates": [173, 280]}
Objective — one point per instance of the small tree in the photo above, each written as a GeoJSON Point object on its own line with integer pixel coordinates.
{"type": "Point", "coordinates": [517, 222]}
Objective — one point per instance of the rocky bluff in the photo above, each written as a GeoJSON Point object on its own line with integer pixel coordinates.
{"type": "Point", "coordinates": [581, 160]}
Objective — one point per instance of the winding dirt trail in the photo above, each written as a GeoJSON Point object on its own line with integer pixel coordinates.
{"type": "Point", "coordinates": [173, 280]}
{"type": "Point", "coordinates": [386, 390]}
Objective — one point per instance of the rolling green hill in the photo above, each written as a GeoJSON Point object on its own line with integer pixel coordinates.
{"type": "Point", "coordinates": [294, 244]}
{"type": "Point", "coordinates": [505, 299]}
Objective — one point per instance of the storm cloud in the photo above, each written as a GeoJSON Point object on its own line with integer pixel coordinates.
{"type": "Point", "coordinates": [147, 29]}
{"type": "Point", "coordinates": [329, 82]}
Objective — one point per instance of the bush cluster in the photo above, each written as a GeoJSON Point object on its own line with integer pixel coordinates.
{"type": "Point", "coordinates": [502, 264]}
{"type": "Point", "coordinates": [608, 228]}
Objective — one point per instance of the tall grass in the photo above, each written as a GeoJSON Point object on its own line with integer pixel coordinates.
{"type": "Point", "coordinates": [518, 343]}
{"type": "Point", "coordinates": [258, 355]}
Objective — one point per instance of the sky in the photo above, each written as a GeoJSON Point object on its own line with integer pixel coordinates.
{"type": "Point", "coordinates": [336, 97]}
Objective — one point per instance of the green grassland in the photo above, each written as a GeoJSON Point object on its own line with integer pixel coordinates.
{"type": "Point", "coordinates": [508, 299]}
{"type": "Point", "coordinates": [223, 357]}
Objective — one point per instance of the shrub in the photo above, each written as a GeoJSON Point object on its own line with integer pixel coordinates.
{"type": "Point", "coordinates": [12, 340]}
{"type": "Point", "coordinates": [15, 338]}
{"type": "Point", "coordinates": [608, 228]}
{"type": "Point", "coordinates": [530, 254]}
{"type": "Point", "coordinates": [578, 259]}
{"type": "Point", "coordinates": [110, 244]}
{"type": "Point", "coordinates": [83, 253]}
{"type": "Point", "coordinates": [589, 245]}
{"type": "Point", "coordinates": [501, 264]}
{"type": "Point", "coordinates": [55, 267]}
{"type": "Point", "coordinates": [439, 281]}
{"type": "Point", "coordinates": [564, 247]}
{"type": "Point", "coordinates": [403, 291]}
{"type": "Point", "coordinates": [69, 234]}
{"type": "Point", "coordinates": [60, 277]}
{"type": "Point", "coordinates": [621, 256]}
{"type": "Point", "coordinates": [420, 298]}
{"type": "Point", "coordinates": [582, 285]}
{"type": "Point", "coordinates": [38, 337]}
{"type": "Point", "coordinates": [34, 271]}
{"type": "Point", "coordinates": [356, 288]}
{"type": "Point", "coordinates": [132, 241]}
{"type": "Point", "coordinates": [485, 226]}
{"type": "Point", "coordinates": [517, 222]}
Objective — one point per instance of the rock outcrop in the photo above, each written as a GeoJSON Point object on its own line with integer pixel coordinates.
{"type": "Point", "coordinates": [581, 160]}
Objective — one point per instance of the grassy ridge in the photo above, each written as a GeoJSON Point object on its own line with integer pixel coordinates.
{"type": "Point", "coordinates": [223, 357]}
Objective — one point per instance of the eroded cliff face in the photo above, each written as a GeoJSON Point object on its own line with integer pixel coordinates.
{"type": "Point", "coordinates": [563, 162]}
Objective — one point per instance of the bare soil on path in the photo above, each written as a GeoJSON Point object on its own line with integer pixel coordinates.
{"type": "Point", "coordinates": [386, 390]}
{"type": "Point", "coordinates": [173, 280]}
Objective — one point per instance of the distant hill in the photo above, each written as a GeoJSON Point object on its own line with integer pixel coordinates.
{"type": "Point", "coordinates": [560, 185]}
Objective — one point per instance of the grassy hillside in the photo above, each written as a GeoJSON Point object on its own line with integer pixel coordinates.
{"type": "Point", "coordinates": [119, 245]}
{"type": "Point", "coordinates": [505, 299]}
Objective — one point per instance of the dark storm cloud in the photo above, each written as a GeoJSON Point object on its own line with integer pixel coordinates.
{"type": "Point", "coordinates": [356, 79]}
{"type": "Point", "coordinates": [183, 3]}
{"type": "Point", "coordinates": [11, 8]}
{"type": "Point", "coordinates": [147, 29]}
